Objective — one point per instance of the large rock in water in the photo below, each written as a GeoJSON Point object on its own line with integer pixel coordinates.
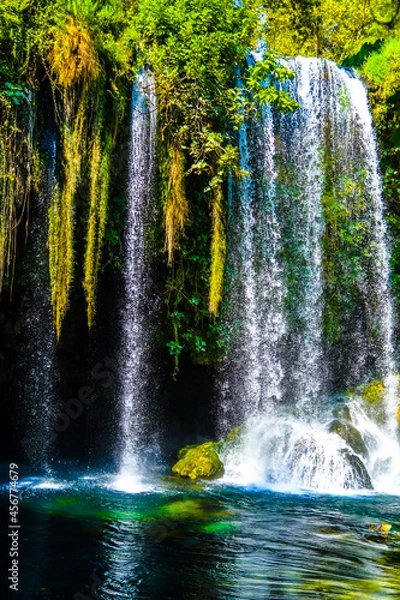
{"type": "Point", "coordinates": [350, 435]}
{"type": "Point", "coordinates": [361, 479]}
{"type": "Point", "coordinates": [199, 462]}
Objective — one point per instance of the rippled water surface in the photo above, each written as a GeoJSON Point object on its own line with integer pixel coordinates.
{"type": "Point", "coordinates": [87, 538]}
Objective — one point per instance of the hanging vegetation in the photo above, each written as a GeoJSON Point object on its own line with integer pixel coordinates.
{"type": "Point", "coordinates": [16, 166]}
{"type": "Point", "coordinates": [177, 207]}
{"type": "Point", "coordinates": [218, 250]}
{"type": "Point", "coordinates": [74, 66]}
{"type": "Point", "coordinates": [90, 52]}
{"type": "Point", "coordinates": [73, 58]}
{"type": "Point", "coordinates": [99, 193]}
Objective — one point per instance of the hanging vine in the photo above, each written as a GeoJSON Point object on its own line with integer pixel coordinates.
{"type": "Point", "coordinates": [100, 158]}
{"type": "Point", "coordinates": [74, 67]}
{"type": "Point", "coordinates": [177, 206]}
{"type": "Point", "coordinates": [218, 248]}
{"type": "Point", "coordinates": [16, 168]}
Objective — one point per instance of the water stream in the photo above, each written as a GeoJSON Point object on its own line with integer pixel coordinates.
{"type": "Point", "coordinates": [310, 310]}
{"type": "Point", "coordinates": [137, 306]}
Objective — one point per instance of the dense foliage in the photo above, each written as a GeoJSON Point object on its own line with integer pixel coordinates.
{"type": "Point", "coordinates": [365, 35]}
{"type": "Point", "coordinates": [88, 53]}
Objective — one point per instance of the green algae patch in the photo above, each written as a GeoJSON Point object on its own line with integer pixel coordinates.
{"type": "Point", "coordinates": [75, 507]}
{"type": "Point", "coordinates": [193, 509]}
{"type": "Point", "coordinates": [68, 501]}
{"type": "Point", "coordinates": [184, 509]}
{"type": "Point", "coordinates": [346, 590]}
{"type": "Point", "coordinates": [218, 528]}
{"type": "Point", "coordinates": [199, 462]}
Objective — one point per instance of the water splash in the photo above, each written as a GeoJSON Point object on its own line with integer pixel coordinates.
{"type": "Point", "coordinates": [311, 257]}
{"type": "Point", "coordinates": [137, 305]}
{"type": "Point", "coordinates": [285, 451]}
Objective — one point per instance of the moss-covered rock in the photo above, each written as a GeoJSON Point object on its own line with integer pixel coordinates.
{"type": "Point", "coordinates": [199, 462]}
{"type": "Point", "coordinates": [350, 435]}
{"type": "Point", "coordinates": [341, 411]}
{"type": "Point", "coordinates": [361, 478]}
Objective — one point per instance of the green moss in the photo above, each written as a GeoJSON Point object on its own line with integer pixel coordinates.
{"type": "Point", "coordinates": [234, 434]}
{"type": "Point", "coordinates": [199, 462]}
{"type": "Point", "coordinates": [62, 211]}
{"type": "Point", "coordinates": [203, 461]}
{"type": "Point", "coordinates": [373, 393]}
{"type": "Point", "coordinates": [99, 193]}
{"type": "Point", "coordinates": [350, 435]}
{"type": "Point", "coordinates": [218, 251]}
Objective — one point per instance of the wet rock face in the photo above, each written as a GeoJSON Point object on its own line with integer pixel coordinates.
{"type": "Point", "coordinates": [342, 411]}
{"type": "Point", "coordinates": [361, 478]}
{"type": "Point", "coordinates": [199, 462]}
{"type": "Point", "coordinates": [350, 435]}
{"type": "Point", "coordinates": [357, 448]}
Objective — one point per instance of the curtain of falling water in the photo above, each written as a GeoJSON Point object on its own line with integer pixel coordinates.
{"type": "Point", "coordinates": [137, 306]}
{"type": "Point", "coordinates": [308, 279]}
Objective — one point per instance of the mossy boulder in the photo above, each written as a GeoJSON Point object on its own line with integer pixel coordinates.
{"type": "Point", "coordinates": [199, 462]}
{"type": "Point", "coordinates": [361, 479]}
{"type": "Point", "coordinates": [342, 412]}
{"type": "Point", "coordinates": [203, 461]}
{"type": "Point", "coordinates": [350, 435]}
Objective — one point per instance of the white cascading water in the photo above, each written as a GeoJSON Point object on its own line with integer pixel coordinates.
{"type": "Point", "coordinates": [135, 342]}
{"type": "Point", "coordinates": [302, 137]}
{"type": "Point", "coordinates": [256, 282]}
{"type": "Point", "coordinates": [294, 436]}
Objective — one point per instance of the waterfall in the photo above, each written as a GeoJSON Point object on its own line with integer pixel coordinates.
{"type": "Point", "coordinates": [257, 278]}
{"type": "Point", "coordinates": [135, 344]}
{"type": "Point", "coordinates": [309, 306]}
{"type": "Point", "coordinates": [37, 385]}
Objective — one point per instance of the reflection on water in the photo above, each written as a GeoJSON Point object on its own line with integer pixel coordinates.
{"type": "Point", "coordinates": [182, 541]}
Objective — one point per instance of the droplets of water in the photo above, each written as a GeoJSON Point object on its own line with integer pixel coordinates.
{"type": "Point", "coordinates": [310, 310]}
{"type": "Point", "coordinates": [37, 388]}
{"type": "Point", "coordinates": [135, 345]}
